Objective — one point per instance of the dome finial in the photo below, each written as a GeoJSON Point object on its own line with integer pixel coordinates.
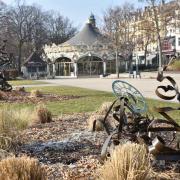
{"type": "Point", "coordinates": [92, 20]}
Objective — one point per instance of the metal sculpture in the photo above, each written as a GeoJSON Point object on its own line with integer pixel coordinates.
{"type": "Point", "coordinates": [5, 60]}
{"type": "Point", "coordinates": [131, 122]}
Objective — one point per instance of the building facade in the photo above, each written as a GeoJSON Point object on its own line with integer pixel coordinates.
{"type": "Point", "coordinates": [168, 19]}
{"type": "Point", "coordinates": [88, 53]}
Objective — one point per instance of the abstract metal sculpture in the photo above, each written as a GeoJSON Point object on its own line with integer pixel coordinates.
{"type": "Point", "coordinates": [131, 122]}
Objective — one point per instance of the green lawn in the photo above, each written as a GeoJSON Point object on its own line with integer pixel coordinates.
{"type": "Point", "coordinates": [89, 101]}
{"type": "Point", "coordinates": [25, 82]}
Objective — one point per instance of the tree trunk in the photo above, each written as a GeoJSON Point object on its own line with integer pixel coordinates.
{"type": "Point", "coordinates": [117, 64]}
{"type": "Point", "coordinates": [19, 56]}
{"type": "Point", "coordinates": [160, 51]}
{"type": "Point", "coordinates": [145, 52]}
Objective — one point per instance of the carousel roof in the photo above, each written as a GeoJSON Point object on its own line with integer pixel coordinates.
{"type": "Point", "coordinates": [34, 60]}
{"type": "Point", "coordinates": [89, 35]}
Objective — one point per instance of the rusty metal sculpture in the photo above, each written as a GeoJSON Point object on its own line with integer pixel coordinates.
{"type": "Point", "coordinates": [132, 123]}
{"type": "Point", "coordinates": [4, 61]}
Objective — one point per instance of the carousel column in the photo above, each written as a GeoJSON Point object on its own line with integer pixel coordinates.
{"type": "Point", "coordinates": [104, 57]}
{"type": "Point", "coordinates": [104, 67]}
{"type": "Point", "coordinates": [48, 71]}
{"type": "Point", "coordinates": [75, 58]}
{"type": "Point", "coordinates": [75, 69]}
{"type": "Point", "coordinates": [54, 70]}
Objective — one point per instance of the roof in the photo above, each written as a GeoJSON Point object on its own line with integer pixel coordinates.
{"type": "Point", "coordinates": [89, 35]}
{"type": "Point", "coordinates": [34, 60]}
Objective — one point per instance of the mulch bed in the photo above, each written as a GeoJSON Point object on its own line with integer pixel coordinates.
{"type": "Point", "coordinates": [15, 96]}
{"type": "Point", "coordinates": [67, 149]}
{"type": "Point", "coordinates": [77, 159]}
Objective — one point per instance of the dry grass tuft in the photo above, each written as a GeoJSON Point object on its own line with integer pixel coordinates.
{"type": "Point", "coordinates": [23, 168]}
{"type": "Point", "coordinates": [43, 115]}
{"type": "Point", "coordinates": [168, 175]}
{"type": "Point", "coordinates": [2, 95]}
{"type": "Point", "coordinates": [36, 93]}
{"type": "Point", "coordinates": [175, 66]}
{"type": "Point", "coordinates": [21, 89]}
{"type": "Point", "coordinates": [11, 123]}
{"type": "Point", "coordinates": [4, 154]}
{"type": "Point", "coordinates": [104, 108]}
{"type": "Point", "coordinates": [98, 119]}
{"type": "Point", "coordinates": [129, 161]}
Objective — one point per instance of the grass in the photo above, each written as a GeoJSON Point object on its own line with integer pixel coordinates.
{"type": "Point", "coordinates": [175, 66]}
{"type": "Point", "coordinates": [25, 82]}
{"type": "Point", "coordinates": [11, 123]}
{"type": "Point", "coordinates": [90, 101]}
{"type": "Point", "coordinates": [19, 168]}
{"type": "Point", "coordinates": [128, 161]}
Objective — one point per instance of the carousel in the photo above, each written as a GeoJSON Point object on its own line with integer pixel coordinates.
{"type": "Point", "coordinates": [88, 53]}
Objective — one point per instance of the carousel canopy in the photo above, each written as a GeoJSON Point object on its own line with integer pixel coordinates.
{"type": "Point", "coordinates": [89, 35]}
{"type": "Point", "coordinates": [34, 60]}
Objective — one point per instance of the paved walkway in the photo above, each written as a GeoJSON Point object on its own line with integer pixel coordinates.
{"type": "Point", "coordinates": [145, 86]}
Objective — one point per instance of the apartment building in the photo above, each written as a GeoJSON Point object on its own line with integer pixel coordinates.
{"type": "Point", "coordinates": [145, 38]}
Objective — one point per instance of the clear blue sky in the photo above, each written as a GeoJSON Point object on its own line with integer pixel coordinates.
{"type": "Point", "coordinates": [78, 11]}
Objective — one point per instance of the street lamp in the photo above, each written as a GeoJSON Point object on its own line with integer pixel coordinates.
{"type": "Point", "coordinates": [89, 54]}
{"type": "Point", "coordinates": [75, 58]}
{"type": "Point", "coordinates": [104, 57]}
{"type": "Point", "coordinates": [117, 63]}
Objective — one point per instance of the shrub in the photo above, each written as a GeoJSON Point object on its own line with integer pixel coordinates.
{"type": "Point", "coordinates": [23, 168]}
{"type": "Point", "coordinates": [36, 93]}
{"type": "Point", "coordinates": [43, 115]}
{"type": "Point", "coordinates": [98, 119]}
{"type": "Point", "coordinates": [128, 162]}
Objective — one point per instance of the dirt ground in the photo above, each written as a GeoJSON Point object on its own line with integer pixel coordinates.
{"type": "Point", "coordinates": [16, 96]}
{"type": "Point", "coordinates": [68, 150]}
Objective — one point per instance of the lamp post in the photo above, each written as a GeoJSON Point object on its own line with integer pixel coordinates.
{"type": "Point", "coordinates": [137, 63]}
{"type": "Point", "coordinates": [75, 58]}
{"type": "Point", "coordinates": [104, 57]}
{"type": "Point", "coordinates": [89, 54]}
{"type": "Point", "coordinates": [117, 63]}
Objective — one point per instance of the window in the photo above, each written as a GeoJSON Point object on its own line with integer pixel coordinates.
{"type": "Point", "coordinates": [42, 68]}
{"type": "Point", "coordinates": [178, 41]}
{"type": "Point", "coordinates": [31, 69]}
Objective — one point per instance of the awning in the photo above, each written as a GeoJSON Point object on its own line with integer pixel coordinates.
{"type": "Point", "coordinates": [150, 57]}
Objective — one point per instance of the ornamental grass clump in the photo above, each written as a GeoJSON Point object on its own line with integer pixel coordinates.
{"type": "Point", "coordinates": [129, 161]}
{"type": "Point", "coordinates": [20, 89]}
{"type": "Point", "coordinates": [2, 95]}
{"type": "Point", "coordinates": [22, 168]}
{"type": "Point", "coordinates": [104, 108]}
{"type": "Point", "coordinates": [43, 115]}
{"type": "Point", "coordinates": [36, 93]}
{"type": "Point", "coordinates": [11, 123]}
{"type": "Point", "coordinates": [96, 121]}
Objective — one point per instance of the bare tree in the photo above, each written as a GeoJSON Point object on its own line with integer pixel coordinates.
{"type": "Point", "coordinates": [60, 29]}
{"type": "Point", "coordinates": [118, 26]}
{"type": "Point", "coordinates": [21, 21]}
{"type": "Point", "coordinates": [161, 16]}
{"type": "Point", "coordinates": [28, 28]}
